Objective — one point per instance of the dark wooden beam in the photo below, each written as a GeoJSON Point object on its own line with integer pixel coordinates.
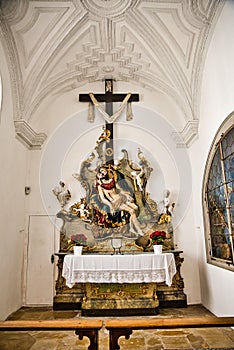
{"type": "Point", "coordinates": [108, 97]}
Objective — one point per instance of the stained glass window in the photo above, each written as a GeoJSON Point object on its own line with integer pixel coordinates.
{"type": "Point", "coordinates": [219, 197]}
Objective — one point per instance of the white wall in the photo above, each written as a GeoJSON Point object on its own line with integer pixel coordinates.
{"type": "Point", "coordinates": [13, 169]}
{"type": "Point", "coordinates": [71, 139]}
{"type": "Point", "coordinates": [217, 285]}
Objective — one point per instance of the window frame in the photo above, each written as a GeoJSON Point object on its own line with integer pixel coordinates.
{"type": "Point", "coordinates": [224, 129]}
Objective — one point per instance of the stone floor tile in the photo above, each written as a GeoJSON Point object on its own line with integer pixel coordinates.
{"type": "Point", "coordinates": [64, 314]}
{"type": "Point", "coordinates": [153, 342]}
{"type": "Point", "coordinates": [16, 315]}
{"type": "Point", "coordinates": [216, 337]}
{"type": "Point", "coordinates": [229, 332]}
{"type": "Point", "coordinates": [103, 337]}
{"type": "Point", "coordinates": [176, 343]}
{"type": "Point", "coordinates": [135, 342]}
{"type": "Point", "coordinates": [32, 316]}
{"type": "Point", "coordinates": [172, 332]}
{"type": "Point", "coordinates": [16, 341]}
{"type": "Point", "coordinates": [52, 334]}
{"type": "Point", "coordinates": [214, 341]}
{"type": "Point", "coordinates": [45, 344]}
{"type": "Point", "coordinates": [197, 341]}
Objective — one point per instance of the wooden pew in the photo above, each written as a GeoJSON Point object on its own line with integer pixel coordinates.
{"type": "Point", "coordinates": [124, 327]}
{"type": "Point", "coordinates": [88, 328]}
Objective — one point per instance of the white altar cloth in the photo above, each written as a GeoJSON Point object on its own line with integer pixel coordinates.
{"type": "Point", "coordinates": [138, 268]}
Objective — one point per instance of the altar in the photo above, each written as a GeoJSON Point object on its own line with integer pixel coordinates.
{"type": "Point", "coordinates": [116, 284]}
{"type": "Point", "coordinates": [116, 215]}
{"type": "Point", "coordinates": [135, 268]}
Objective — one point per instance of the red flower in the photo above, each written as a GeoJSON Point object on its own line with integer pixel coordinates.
{"type": "Point", "coordinates": [78, 239]}
{"type": "Point", "coordinates": [158, 237]}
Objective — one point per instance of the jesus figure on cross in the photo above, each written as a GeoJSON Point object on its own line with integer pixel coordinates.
{"type": "Point", "coordinates": [116, 199]}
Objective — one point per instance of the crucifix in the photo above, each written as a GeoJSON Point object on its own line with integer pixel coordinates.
{"type": "Point", "coordinates": [109, 98]}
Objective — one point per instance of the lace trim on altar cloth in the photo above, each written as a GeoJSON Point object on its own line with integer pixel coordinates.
{"type": "Point", "coordinates": [156, 276]}
{"type": "Point", "coordinates": [120, 277]}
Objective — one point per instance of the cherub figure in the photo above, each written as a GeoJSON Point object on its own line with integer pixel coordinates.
{"type": "Point", "coordinates": [81, 210]}
{"type": "Point", "coordinates": [166, 201]}
{"type": "Point", "coordinates": [138, 179]}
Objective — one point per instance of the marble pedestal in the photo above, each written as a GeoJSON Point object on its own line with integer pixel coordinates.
{"type": "Point", "coordinates": [173, 296]}
{"type": "Point", "coordinates": [119, 299]}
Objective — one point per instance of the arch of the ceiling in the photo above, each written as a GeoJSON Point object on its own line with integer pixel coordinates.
{"type": "Point", "coordinates": [14, 10]}
{"type": "Point", "coordinates": [12, 67]}
{"type": "Point", "coordinates": [26, 107]}
{"type": "Point", "coordinates": [60, 87]}
{"type": "Point", "coordinates": [66, 81]}
{"type": "Point", "coordinates": [30, 104]}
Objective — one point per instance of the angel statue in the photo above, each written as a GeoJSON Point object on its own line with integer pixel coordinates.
{"type": "Point", "coordinates": [62, 193]}
{"type": "Point", "coordinates": [168, 208]}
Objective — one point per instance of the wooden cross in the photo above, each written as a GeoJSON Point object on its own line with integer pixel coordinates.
{"type": "Point", "coordinates": [109, 98]}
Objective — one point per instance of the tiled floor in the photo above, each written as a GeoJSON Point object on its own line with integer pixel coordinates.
{"type": "Point", "coordinates": [171, 339]}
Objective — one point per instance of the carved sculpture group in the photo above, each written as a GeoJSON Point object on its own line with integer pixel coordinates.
{"type": "Point", "coordinates": [116, 203]}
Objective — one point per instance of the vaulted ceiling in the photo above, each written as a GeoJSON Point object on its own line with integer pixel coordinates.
{"type": "Point", "coordinates": [58, 46]}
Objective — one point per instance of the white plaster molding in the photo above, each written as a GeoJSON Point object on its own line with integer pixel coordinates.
{"type": "Point", "coordinates": [13, 65]}
{"type": "Point", "coordinates": [29, 24]}
{"type": "Point", "coordinates": [26, 135]}
{"type": "Point", "coordinates": [108, 9]}
{"type": "Point", "coordinates": [13, 11]}
{"type": "Point", "coordinates": [187, 136]}
{"type": "Point", "coordinates": [131, 41]}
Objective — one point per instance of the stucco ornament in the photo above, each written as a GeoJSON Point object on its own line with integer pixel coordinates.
{"type": "Point", "coordinates": [62, 193]}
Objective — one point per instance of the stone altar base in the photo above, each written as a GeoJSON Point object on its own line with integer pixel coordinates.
{"type": "Point", "coordinates": [173, 296]}
{"type": "Point", "coordinates": [170, 297]}
{"type": "Point", "coordinates": [69, 298]}
{"type": "Point", "coordinates": [75, 298]}
{"type": "Point", "coordinates": [115, 299]}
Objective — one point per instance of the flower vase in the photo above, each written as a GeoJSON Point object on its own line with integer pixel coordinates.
{"type": "Point", "coordinates": [157, 248]}
{"type": "Point", "coordinates": [77, 250]}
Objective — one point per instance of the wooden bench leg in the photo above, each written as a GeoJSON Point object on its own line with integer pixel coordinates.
{"type": "Point", "coordinates": [114, 337]}
{"type": "Point", "coordinates": [92, 334]}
